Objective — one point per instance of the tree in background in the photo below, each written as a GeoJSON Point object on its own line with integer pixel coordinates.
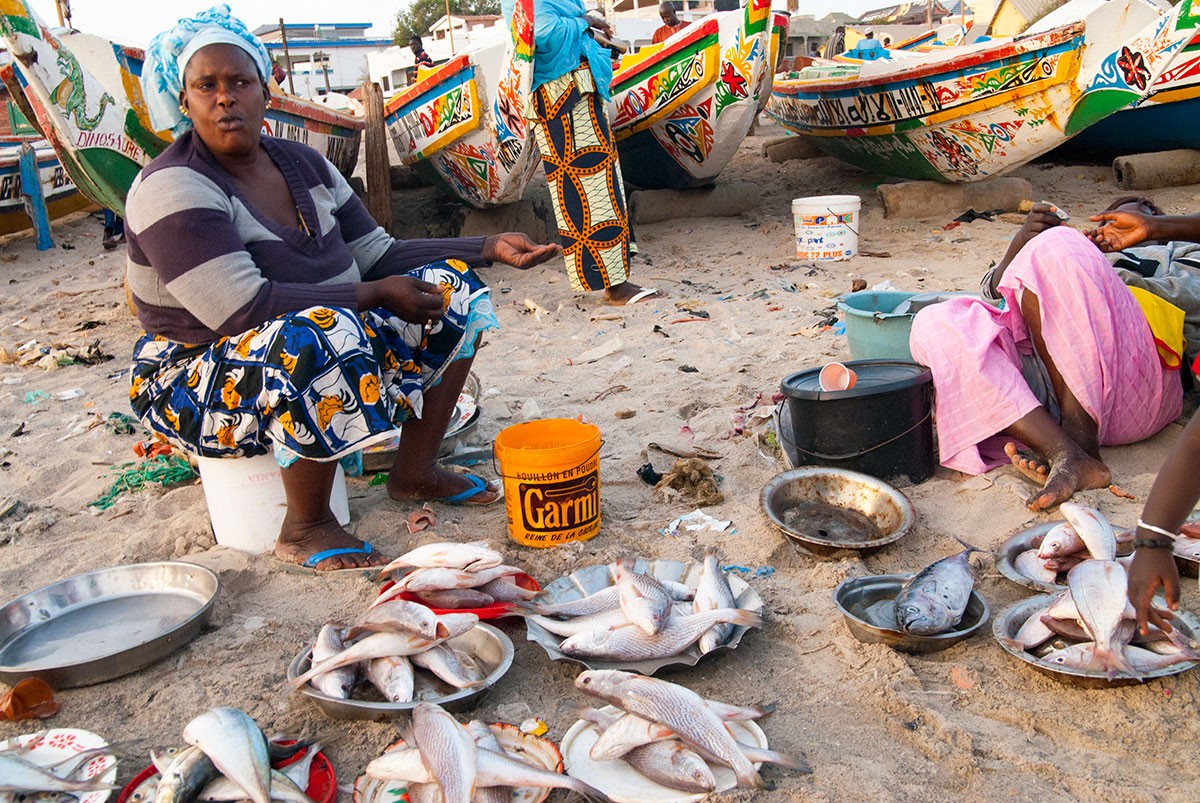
{"type": "Point", "coordinates": [421, 14]}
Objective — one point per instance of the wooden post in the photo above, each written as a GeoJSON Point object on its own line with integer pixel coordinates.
{"type": "Point", "coordinates": [379, 171]}
{"type": "Point", "coordinates": [32, 198]}
{"type": "Point", "coordinates": [286, 57]}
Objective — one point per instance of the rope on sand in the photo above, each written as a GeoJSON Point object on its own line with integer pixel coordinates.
{"type": "Point", "coordinates": [163, 470]}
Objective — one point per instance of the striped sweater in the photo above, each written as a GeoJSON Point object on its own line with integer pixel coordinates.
{"type": "Point", "coordinates": [203, 263]}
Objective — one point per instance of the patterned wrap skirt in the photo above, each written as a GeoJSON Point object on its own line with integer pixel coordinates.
{"type": "Point", "coordinates": [579, 155]}
{"type": "Point", "coordinates": [321, 383]}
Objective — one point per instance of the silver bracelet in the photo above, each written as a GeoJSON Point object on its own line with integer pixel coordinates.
{"type": "Point", "coordinates": [1143, 525]}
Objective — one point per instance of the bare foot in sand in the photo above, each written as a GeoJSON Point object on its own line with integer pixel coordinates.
{"type": "Point", "coordinates": [1060, 476]}
{"type": "Point", "coordinates": [629, 293]}
{"type": "Point", "coordinates": [297, 542]}
{"type": "Point", "coordinates": [441, 485]}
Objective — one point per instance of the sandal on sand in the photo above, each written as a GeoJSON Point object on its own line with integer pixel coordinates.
{"type": "Point", "coordinates": [467, 498]}
{"type": "Point", "coordinates": [309, 566]}
{"type": "Point", "coordinates": [644, 293]}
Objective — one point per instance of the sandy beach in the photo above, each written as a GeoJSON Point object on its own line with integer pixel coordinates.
{"type": "Point", "coordinates": [970, 722]}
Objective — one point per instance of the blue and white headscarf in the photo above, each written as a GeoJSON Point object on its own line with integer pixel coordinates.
{"type": "Point", "coordinates": [170, 51]}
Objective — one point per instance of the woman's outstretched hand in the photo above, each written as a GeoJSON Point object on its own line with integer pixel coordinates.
{"type": "Point", "coordinates": [1151, 570]}
{"type": "Point", "coordinates": [1119, 230]}
{"type": "Point", "coordinates": [516, 249]}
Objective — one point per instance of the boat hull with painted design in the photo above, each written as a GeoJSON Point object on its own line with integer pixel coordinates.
{"type": "Point", "coordinates": [85, 93]}
{"type": "Point", "coordinates": [968, 113]}
{"type": "Point", "coordinates": [58, 191]}
{"type": "Point", "coordinates": [679, 113]}
{"type": "Point", "coordinates": [462, 124]}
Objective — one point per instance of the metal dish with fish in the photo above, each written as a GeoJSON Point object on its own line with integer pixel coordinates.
{"type": "Point", "coordinates": [867, 603]}
{"type": "Point", "coordinates": [830, 510]}
{"type": "Point", "coordinates": [1009, 621]}
{"type": "Point", "coordinates": [487, 645]}
{"type": "Point", "coordinates": [321, 788]}
{"type": "Point", "coordinates": [623, 784]}
{"type": "Point", "coordinates": [535, 750]}
{"type": "Point", "coordinates": [131, 616]}
{"type": "Point", "coordinates": [50, 747]}
{"type": "Point", "coordinates": [1030, 538]}
{"type": "Point", "coordinates": [590, 579]}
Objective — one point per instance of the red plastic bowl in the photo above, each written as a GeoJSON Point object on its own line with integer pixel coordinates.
{"type": "Point", "coordinates": [322, 782]}
{"type": "Point", "coordinates": [486, 612]}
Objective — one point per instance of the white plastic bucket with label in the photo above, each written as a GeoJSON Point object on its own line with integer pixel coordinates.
{"type": "Point", "coordinates": [246, 502]}
{"type": "Point", "coordinates": [826, 227]}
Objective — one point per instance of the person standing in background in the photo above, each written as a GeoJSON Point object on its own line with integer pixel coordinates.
{"type": "Point", "coordinates": [671, 23]}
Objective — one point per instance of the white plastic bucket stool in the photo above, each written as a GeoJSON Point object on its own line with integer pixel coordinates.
{"type": "Point", "coordinates": [826, 227]}
{"type": "Point", "coordinates": [246, 502]}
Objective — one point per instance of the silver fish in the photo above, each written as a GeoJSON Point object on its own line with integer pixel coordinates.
{"type": "Point", "coordinates": [674, 765]}
{"type": "Point", "coordinates": [713, 592]}
{"type": "Point", "coordinates": [456, 598]}
{"type": "Point", "coordinates": [236, 746]}
{"type": "Point", "coordinates": [679, 708]}
{"type": "Point", "coordinates": [501, 769]}
{"type": "Point", "coordinates": [425, 793]}
{"type": "Point", "coordinates": [442, 662]}
{"type": "Point", "coordinates": [1187, 547]}
{"type": "Point", "coordinates": [377, 645]}
{"type": "Point", "coordinates": [642, 598]}
{"type": "Point", "coordinates": [632, 643]}
{"type": "Point", "coordinates": [485, 739]}
{"type": "Point", "coordinates": [187, 772]}
{"type": "Point", "coordinates": [21, 775]}
{"type": "Point", "coordinates": [399, 615]}
{"type": "Point", "coordinates": [603, 600]}
{"type": "Point", "coordinates": [1030, 565]}
{"type": "Point", "coordinates": [1100, 591]}
{"type": "Point", "coordinates": [1032, 633]}
{"type": "Point", "coordinates": [299, 771]}
{"type": "Point", "coordinates": [223, 790]}
{"type": "Point", "coordinates": [933, 601]}
{"type": "Point", "coordinates": [403, 764]}
{"type": "Point", "coordinates": [458, 623]}
{"type": "Point", "coordinates": [614, 617]}
{"type": "Point", "coordinates": [393, 676]}
{"type": "Point", "coordinates": [505, 589]}
{"type": "Point", "coordinates": [1060, 541]}
{"type": "Point", "coordinates": [447, 749]}
{"type": "Point", "coordinates": [1092, 528]}
{"type": "Point", "coordinates": [472, 556]}
{"type": "Point", "coordinates": [339, 682]}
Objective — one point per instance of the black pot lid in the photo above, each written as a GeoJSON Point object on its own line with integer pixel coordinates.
{"type": "Point", "coordinates": [875, 377]}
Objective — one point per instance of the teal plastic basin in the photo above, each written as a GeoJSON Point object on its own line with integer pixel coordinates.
{"type": "Point", "coordinates": [875, 332]}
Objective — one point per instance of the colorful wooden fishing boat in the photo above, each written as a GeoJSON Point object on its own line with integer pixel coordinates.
{"type": "Point", "coordinates": [462, 124]}
{"type": "Point", "coordinates": [86, 96]}
{"type": "Point", "coordinates": [1168, 119]}
{"type": "Point", "coordinates": [59, 192]}
{"type": "Point", "coordinates": [680, 111]}
{"type": "Point", "coordinates": [970, 112]}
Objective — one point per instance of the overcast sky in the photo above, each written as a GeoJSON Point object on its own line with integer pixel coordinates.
{"type": "Point", "coordinates": [134, 22]}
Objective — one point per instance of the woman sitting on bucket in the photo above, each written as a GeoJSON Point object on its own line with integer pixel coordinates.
{"type": "Point", "coordinates": [278, 315]}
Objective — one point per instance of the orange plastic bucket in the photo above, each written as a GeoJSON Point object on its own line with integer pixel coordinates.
{"type": "Point", "coordinates": [551, 472]}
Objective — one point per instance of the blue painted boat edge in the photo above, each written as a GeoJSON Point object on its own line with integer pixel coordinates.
{"type": "Point", "coordinates": [1146, 129]}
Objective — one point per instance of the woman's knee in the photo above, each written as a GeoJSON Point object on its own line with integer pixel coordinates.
{"type": "Point", "coordinates": [1058, 254]}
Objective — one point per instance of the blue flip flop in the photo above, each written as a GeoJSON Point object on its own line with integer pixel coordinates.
{"type": "Point", "coordinates": [309, 566]}
{"type": "Point", "coordinates": [463, 498]}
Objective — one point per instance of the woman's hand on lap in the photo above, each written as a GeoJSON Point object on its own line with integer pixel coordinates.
{"type": "Point", "coordinates": [516, 249]}
{"type": "Point", "coordinates": [410, 299]}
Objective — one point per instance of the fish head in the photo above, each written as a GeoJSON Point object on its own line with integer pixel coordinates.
{"type": "Point", "coordinates": [603, 683]}
{"type": "Point", "coordinates": [924, 615]}
{"type": "Point", "coordinates": [587, 642]}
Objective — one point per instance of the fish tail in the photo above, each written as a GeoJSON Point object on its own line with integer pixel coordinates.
{"type": "Point", "coordinates": [1113, 662]}
{"type": "Point", "coordinates": [783, 760]}
{"type": "Point", "coordinates": [746, 618]}
{"type": "Point", "coordinates": [972, 548]}
{"type": "Point", "coordinates": [586, 790]}
{"type": "Point", "coordinates": [752, 779]}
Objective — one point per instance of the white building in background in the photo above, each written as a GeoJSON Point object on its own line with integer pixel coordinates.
{"type": "Point", "coordinates": [392, 67]}
{"type": "Point", "coordinates": [322, 57]}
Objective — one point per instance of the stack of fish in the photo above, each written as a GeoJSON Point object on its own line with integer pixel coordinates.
{"type": "Point", "coordinates": [228, 759]}
{"type": "Point", "coordinates": [1094, 613]}
{"type": "Point", "coordinates": [641, 618]}
{"type": "Point", "coordinates": [22, 778]}
{"type": "Point", "coordinates": [934, 600]}
{"type": "Point", "coordinates": [1084, 535]}
{"type": "Point", "coordinates": [385, 646]}
{"type": "Point", "coordinates": [442, 760]}
{"type": "Point", "coordinates": [670, 734]}
{"type": "Point", "coordinates": [451, 575]}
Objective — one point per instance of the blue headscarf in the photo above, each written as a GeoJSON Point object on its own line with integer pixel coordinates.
{"type": "Point", "coordinates": [561, 39]}
{"type": "Point", "coordinates": [170, 51]}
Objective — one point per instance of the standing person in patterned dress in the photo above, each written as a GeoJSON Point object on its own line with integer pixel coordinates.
{"type": "Point", "coordinates": [571, 78]}
{"type": "Point", "coordinates": [278, 315]}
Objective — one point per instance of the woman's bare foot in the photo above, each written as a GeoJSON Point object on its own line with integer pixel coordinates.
{"type": "Point", "coordinates": [629, 293]}
{"type": "Point", "coordinates": [438, 484]}
{"type": "Point", "coordinates": [1059, 475]}
{"type": "Point", "coordinates": [299, 541]}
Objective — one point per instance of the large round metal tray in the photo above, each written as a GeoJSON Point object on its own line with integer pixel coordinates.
{"type": "Point", "coordinates": [485, 643]}
{"type": "Point", "coordinates": [591, 579]}
{"type": "Point", "coordinates": [104, 624]}
{"type": "Point", "coordinates": [1009, 621]}
{"type": "Point", "coordinates": [623, 784]}
{"type": "Point", "coordinates": [888, 509]}
{"type": "Point", "coordinates": [866, 603]}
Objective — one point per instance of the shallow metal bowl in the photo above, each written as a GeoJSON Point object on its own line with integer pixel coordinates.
{"type": "Point", "coordinates": [104, 624]}
{"type": "Point", "coordinates": [867, 603]}
{"type": "Point", "coordinates": [489, 646]}
{"type": "Point", "coordinates": [590, 579]}
{"type": "Point", "coordinates": [1009, 621]}
{"type": "Point", "coordinates": [887, 508]}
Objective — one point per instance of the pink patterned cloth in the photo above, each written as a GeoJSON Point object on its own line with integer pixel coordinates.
{"type": "Point", "coordinates": [1096, 336]}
